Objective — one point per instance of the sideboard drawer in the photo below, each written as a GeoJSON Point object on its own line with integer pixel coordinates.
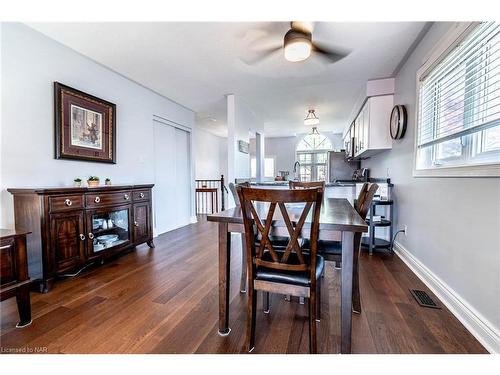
{"type": "Point", "coordinates": [99, 200]}
{"type": "Point", "coordinates": [7, 263]}
{"type": "Point", "coordinates": [141, 195]}
{"type": "Point", "coordinates": [65, 202]}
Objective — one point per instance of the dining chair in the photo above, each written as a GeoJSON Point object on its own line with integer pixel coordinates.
{"type": "Point", "coordinates": [361, 195]}
{"type": "Point", "coordinates": [332, 250]}
{"type": "Point", "coordinates": [288, 271]}
{"type": "Point", "coordinates": [305, 185]}
{"type": "Point", "coordinates": [278, 242]}
{"type": "Point", "coordinates": [243, 281]}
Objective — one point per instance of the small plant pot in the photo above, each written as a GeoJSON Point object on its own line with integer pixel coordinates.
{"type": "Point", "coordinates": [93, 183]}
{"type": "Point", "coordinates": [77, 183]}
{"type": "Point", "coordinates": [107, 182]}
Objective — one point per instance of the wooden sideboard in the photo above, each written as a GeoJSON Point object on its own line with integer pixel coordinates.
{"type": "Point", "coordinates": [73, 227]}
{"type": "Point", "coordinates": [14, 278]}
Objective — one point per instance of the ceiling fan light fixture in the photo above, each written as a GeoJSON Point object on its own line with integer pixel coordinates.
{"type": "Point", "coordinates": [311, 118]}
{"type": "Point", "coordinates": [298, 50]}
{"type": "Point", "coordinates": [297, 45]}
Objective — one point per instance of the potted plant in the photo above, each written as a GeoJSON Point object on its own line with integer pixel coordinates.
{"type": "Point", "coordinates": [77, 182]}
{"type": "Point", "coordinates": [93, 181]}
{"type": "Point", "coordinates": [107, 181]}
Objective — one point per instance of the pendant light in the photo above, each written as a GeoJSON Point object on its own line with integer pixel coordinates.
{"type": "Point", "coordinates": [311, 118]}
{"type": "Point", "coordinates": [314, 131]}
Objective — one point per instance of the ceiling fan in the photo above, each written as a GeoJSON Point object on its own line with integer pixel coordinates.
{"type": "Point", "coordinates": [298, 46]}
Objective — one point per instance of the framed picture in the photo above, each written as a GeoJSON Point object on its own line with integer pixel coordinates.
{"type": "Point", "coordinates": [243, 146]}
{"type": "Point", "coordinates": [85, 126]}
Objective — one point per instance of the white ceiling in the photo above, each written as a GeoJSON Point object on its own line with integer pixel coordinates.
{"type": "Point", "coordinates": [197, 63]}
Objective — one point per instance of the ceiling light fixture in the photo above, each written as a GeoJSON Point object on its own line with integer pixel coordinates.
{"type": "Point", "coordinates": [311, 118]}
{"type": "Point", "coordinates": [314, 131]}
{"type": "Point", "coordinates": [297, 45]}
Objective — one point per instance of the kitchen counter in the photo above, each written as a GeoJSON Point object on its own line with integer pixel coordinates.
{"type": "Point", "coordinates": [285, 183]}
{"type": "Point", "coordinates": [270, 183]}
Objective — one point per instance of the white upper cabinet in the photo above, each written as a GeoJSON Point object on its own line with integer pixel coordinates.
{"type": "Point", "coordinates": [371, 127]}
{"type": "Point", "coordinates": [369, 132]}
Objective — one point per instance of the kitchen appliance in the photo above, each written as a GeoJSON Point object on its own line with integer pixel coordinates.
{"type": "Point", "coordinates": [341, 169]}
{"type": "Point", "coordinates": [360, 175]}
{"type": "Point", "coordinates": [284, 175]}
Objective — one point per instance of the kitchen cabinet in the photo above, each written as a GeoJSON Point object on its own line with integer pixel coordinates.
{"type": "Point", "coordinates": [370, 129]}
{"type": "Point", "coordinates": [348, 142]}
{"type": "Point", "coordinates": [73, 227]}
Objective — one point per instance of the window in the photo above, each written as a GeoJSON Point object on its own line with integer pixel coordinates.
{"type": "Point", "coordinates": [312, 155]}
{"type": "Point", "coordinates": [458, 129]}
{"type": "Point", "coordinates": [268, 167]}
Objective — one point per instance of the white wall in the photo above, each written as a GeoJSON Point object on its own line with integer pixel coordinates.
{"type": "Point", "coordinates": [210, 152]}
{"type": "Point", "coordinates": [241, 121]}
{"type": "Point", "coordinates": [31, 62]}
{"type": "Point", "coordinates": [453, 223]}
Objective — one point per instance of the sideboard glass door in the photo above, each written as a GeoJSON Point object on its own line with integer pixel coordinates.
{"type": "Point", "coordinates": [110, 229]}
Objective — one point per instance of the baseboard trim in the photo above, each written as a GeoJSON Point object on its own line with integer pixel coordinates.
{"type": "Point", "coordinates": [473, 321]}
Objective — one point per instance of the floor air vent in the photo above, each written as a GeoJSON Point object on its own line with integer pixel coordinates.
{"type": "Point", "coordinates": [423, 299]}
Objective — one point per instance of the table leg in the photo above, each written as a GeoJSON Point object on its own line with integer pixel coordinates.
{"type": "Point", "coordinates": [346, 294]}
{"type": "Point", "coordinates": [224, 276]}
{"type": "Point", "coordinates": [23, 306]}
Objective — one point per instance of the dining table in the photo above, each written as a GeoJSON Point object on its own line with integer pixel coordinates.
{"type": "Point", "coordinates": [338, 221]}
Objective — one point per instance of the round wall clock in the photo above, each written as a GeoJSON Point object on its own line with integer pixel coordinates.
{"type": "Point", "coordinates": [399, 119]}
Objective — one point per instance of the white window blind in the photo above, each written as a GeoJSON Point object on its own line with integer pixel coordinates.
{"type": "Point", "coordinates": [460, 96]}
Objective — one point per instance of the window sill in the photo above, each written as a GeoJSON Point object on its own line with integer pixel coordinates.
{"type": "Point", "coordinates": [485, 170]}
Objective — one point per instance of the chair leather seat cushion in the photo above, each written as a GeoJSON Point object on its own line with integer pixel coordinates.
{"type": "Point", "coordinates": [300, 278]}
{"type": "Point", "coordinates": [326, 247]}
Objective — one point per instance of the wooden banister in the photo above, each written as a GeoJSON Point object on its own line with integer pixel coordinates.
{"type": "Point", "coordinates": [207, 194]}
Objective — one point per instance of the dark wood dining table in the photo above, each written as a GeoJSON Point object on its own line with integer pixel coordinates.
{"type": "Point", "coordinates": [338, 221]}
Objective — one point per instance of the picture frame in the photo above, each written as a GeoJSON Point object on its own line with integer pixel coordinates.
{"type": "Point", "coordinates": [85, 126]}
{"type": "Point", "coordinates": [243, 146]}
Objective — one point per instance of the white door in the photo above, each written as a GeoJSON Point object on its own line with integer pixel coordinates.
{"type": "Point", "coordinates": [171, 203]}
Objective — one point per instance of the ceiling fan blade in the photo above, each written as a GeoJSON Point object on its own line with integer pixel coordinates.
{"type": "Point", "coordinates": [261, 55]}
{"type": "Point", "coordinates": [333, 55]}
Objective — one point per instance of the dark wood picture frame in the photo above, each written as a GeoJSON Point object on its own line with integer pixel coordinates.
{"type": "Point", "coordinates": [75, 138]}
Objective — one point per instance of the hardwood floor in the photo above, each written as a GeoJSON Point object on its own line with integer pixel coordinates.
{"type": "Point", "coordinates": [164, 300]}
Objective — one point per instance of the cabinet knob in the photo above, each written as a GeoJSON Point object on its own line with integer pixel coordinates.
{"type": "Point", "coordinates": [136, 224]}
{"type": "Point", "coordinates": [97, 199]}
{"type": "Point", "coordinates": [91, 236]}
{"type": "Point", "coordinates": [68, 202]}
{"type": "Point", "coordinates": [141, 195]}
{"type": "Point", "coordinates": [82, 236]}
{"type": "Point", "coordinates": [126, 197]}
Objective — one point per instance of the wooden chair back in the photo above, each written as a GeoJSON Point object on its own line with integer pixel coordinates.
{"type": "Point", "coordinates": [306, 185]}
{"type": "Point", "coordinates": [254, 225]}
{"type": "Point", "coordinates": [361, 195]}
{"type": "Point", "coordinates": [365, 199]}
{"type": "Point", "coordinates": [232, 188]}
